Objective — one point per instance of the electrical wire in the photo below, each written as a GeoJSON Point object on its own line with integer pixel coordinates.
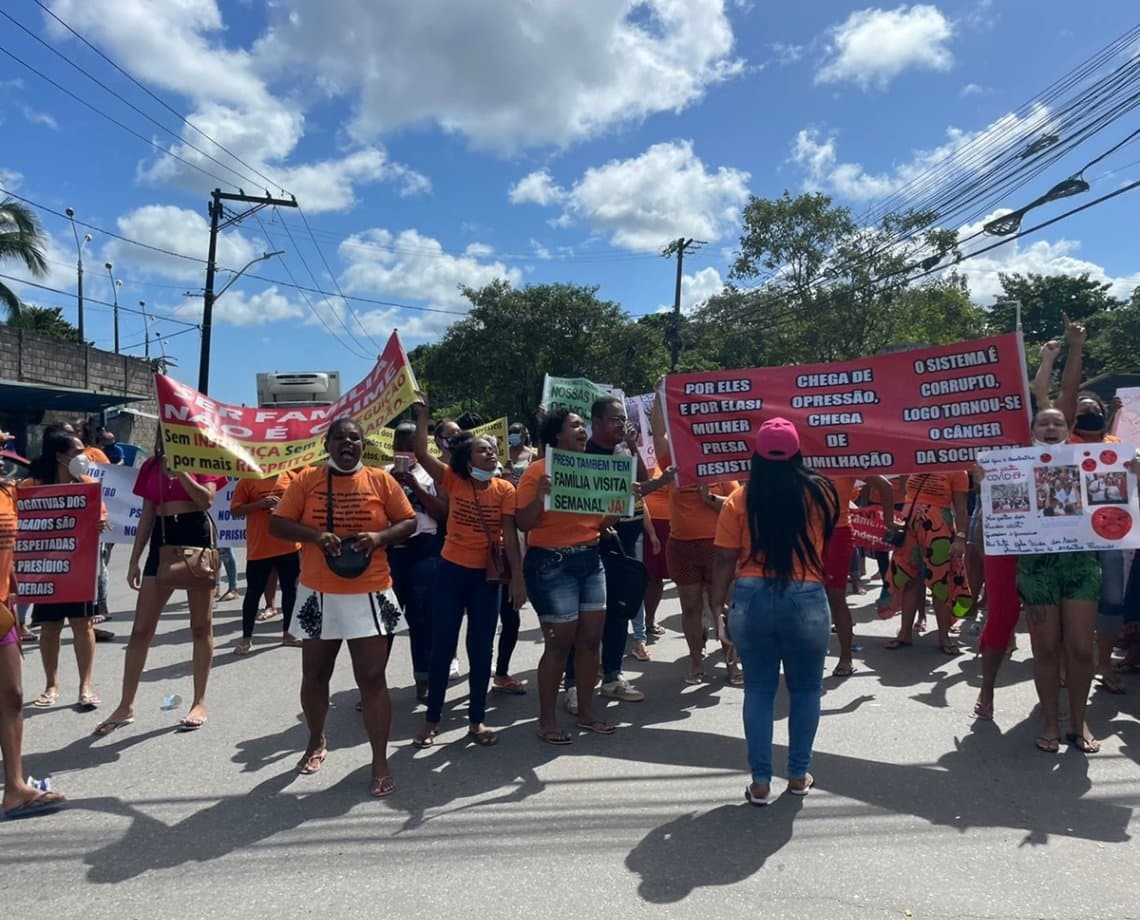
{"type": "Point", "coordinates": [92, 300]}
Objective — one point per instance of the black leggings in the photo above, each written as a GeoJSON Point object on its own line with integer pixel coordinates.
{"type": "Point", "coordinates": [508, 633]}
{"type": "Point", "coordinates": [257, 571]}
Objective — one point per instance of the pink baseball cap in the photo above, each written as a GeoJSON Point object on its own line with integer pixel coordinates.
{"type": "Point", "coordinates": [777, 439]}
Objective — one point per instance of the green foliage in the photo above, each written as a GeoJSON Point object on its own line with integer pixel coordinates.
{"type": "Point", "coordinates": [492, 362]}
{"type": "Point", "coordinates": [45, 321]}
{"type": "Point", "coordinates": [1117, 346]}
{"type": "Point", "coordinates": [21, 240]}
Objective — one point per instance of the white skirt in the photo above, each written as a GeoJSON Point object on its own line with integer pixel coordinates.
{"type": "Point", "coordinates": [347, 616]}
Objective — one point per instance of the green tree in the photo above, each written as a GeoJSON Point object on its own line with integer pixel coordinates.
{"type": "Point", "coordinates": [492, 361]}
{"type": "Point", "coordinates": [21, 239]}
{"type": "Point", "coordinates": [1044, 301]}
{"type": "Point", "coordinates": [815, 286]}
{"type": "Point", "coordinates": [1117, 344]}
{"type": "Point", "coordinates": [45, 321]}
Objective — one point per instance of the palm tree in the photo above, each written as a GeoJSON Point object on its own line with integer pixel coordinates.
{"type": "Point", "coordinates": [20, 238]}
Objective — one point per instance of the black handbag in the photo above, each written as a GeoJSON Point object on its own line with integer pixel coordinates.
{"type": "Point", "coordinates": [896, 538]}
{"type": "Point", "coordinates": [351, 562]}
{"type": "Point", "coordinates": [626, 579]}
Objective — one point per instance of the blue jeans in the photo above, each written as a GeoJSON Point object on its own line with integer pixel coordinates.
{"type": "Point", "coordinates": [458, 588]}
{"type": "Point", "coordinates": [230, 565]}
{"type": "Point", "coordinates": [772, 628]}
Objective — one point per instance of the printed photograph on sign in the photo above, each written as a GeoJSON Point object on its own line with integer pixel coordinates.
{"type": "Point", "coordinates": [1012, 498]}
{"type": "Point", "coordinates": [1107, 488]}
{"type": "Point", "coordinates": [1058, 491]}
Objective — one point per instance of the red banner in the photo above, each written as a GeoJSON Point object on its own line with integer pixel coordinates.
{"type": "Point", "coordinates": [57, 543]}
{"type": "Point", "coordinates": [202, 435]}
{"type": "Point", "coordinates": [868, 529]}
{"type": "Point", "coordinates": [925, 410]}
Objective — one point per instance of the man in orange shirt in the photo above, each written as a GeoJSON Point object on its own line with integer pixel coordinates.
{"type": "Point", "coordinates": [255, 500]}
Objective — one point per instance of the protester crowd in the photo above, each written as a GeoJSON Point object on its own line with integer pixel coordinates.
{"type": "Point", "coordinates": [463, 532]}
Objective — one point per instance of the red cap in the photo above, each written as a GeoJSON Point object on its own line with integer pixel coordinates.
{"type": "Point", "coordinates": [777, 439]}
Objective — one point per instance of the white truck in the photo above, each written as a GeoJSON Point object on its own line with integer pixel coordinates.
{"type": "Point", "coordinates": [282, 390]}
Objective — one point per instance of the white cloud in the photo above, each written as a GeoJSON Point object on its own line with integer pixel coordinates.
{"type": "Point", "coordinates": [963, 153]}
{"type": "Point", "coordinates": [181, 231]}
{"type": "Point", "coordinates": [971, 89]}
{"type": "Point", "coordinates": [178, 47]}
{"type": "Point", "coordinates": [644, 202]}
{"type": "Point", "coordinates": [410, 266]}
{"type": "Point", "coordinates": [11, 179]}
{"type": "Point", "coordinates": [37, 117]}
{"type": "Point", "coordinates": [698, 288]}
{"type": "Point", "coordinates": [873, 46]}
{"type": "Point", "coordinates": [505, 73]}
{"type": "Point", "coordinates": [240, 308]}
{"type": "Point", "coordinates": [536, 188]}
{"type": "Point", "coordinates": [1042, 257]}
{"type": "Point", "coordinates": [540, 251]}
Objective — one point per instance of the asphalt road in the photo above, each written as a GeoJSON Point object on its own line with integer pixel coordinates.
{"type": "Point", "coordinates": [918, 811]}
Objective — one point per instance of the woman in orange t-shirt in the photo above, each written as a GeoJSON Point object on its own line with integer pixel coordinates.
{"type": "Point", "coordinates": [771, 535]}
{"type": "Point", "coordinates": [931, 555]}
{"type": "Point", "coordinates": [480, 513]}
{"type": "Point", "coordinates": [565, 582]}
{"type": "Point", "coordinates": [20, 799]}
{"type": "Point", "coordinates": [55, 465]}
{"type": "Point", "coordinates": [343, 516]}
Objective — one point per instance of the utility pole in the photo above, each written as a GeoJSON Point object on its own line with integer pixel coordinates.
{"type": "Point", "coordinates": [115, 285]}
{"type": "Point", "coordinates": [79, 246]}
{"type": "Point", "coordinates": [677, 248]}
{"type": "Point", "coordinates": [146, 331]}
{"type": "Point", "coordinates": [217, 213]}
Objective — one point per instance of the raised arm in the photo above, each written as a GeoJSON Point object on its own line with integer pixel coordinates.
{"type": "Point", "coordinates": [433, 465]}
{"type": "Point", "coordinates": [1076, 335]}
{"type": "Point", "coordinates": [660, 434]}
{"type": "Point", "coordinates": [1049, 352]}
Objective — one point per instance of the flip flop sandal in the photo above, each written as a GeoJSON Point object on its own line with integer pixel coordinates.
{"type": "Point", "coordinates": [897, 643]}
{"type": "Point", "coordinates": [382, 786]}
{"type": "Point", "coordinates": [950, 650]}
{"type": "Point", "coordinates": [189, 725]}
{"type": "Point", "coordinates": [843, 670]}
{"type": "Point", "coordinates": [809, 781]}
{"type": "Point", "coordinates": [423, 742]}
{"type": "Point", "coordinates": [695, 677]}
{"type": "Point", "coordinates": [89, 701]}
{"type": "Point", "coordinates": [46, 699]}
{"type": "Point", "coordinates": [657, 630]}
{"type": "Point", "coordinates": [598, 727]}
{"type": "Point", "coordinates": [510, 685]}
{"type": "Point", "coordinates": [985, 713]}
{"type": "Point", "coordinates": [45, 803]}
{"type": "Point", "coordinates": [290, 641]}
{"type": "Point", "coordinates": [103, 729]}
{"type": "Point", "coordinates": [757, 800]}
{"type": "Point", "coordinates": [244, 647]}
{"type": "Point", "coordinates": [1047, 745]}
{"type": "Point", "coordinates": [267, 614]}
{"type": "Point", "coordinates": [311, 763]}
{"type": "Point", "coordinates": [641, 653]}
{"type": "Point", "coordinates": [554, 736]}
{"type": "Point", "coordinates": [485, 738]}
{"type": "Point", "coordinates": [1083, 744]}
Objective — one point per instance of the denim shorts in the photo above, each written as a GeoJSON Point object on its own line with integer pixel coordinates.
{"type": "Point", "coordinates": [562, 584]}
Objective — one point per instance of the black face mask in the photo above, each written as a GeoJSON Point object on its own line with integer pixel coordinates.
{"type": "Point", "coordinates": [1089, 421]}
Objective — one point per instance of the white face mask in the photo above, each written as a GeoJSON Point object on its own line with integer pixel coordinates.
{"type": "Point", "coordinates": [78, 466]}
{"type": "Point", "coordinates": [339, 469]}
{"type": "Point", "coordinates": [482, 475]}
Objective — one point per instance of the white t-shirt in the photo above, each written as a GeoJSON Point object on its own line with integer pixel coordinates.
{"type": "Point", "coordinates": [425, 523]}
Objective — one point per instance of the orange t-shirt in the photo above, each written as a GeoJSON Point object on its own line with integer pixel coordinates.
{"type": "Point", "coordinates": [1076, 436]}
{"type": "Point", "coordinates": [732, 532]}
{"type": "Point", "coordinates": [364, 501]}
{"type": "Point", "coordinates": [95, 455]}
{"type": "Point", "coordinates": [936, 488]}
{"type": "Point", "coordinates": [555, 529]}
{"type": "Point", "coordinates": [657, 501]}
{"type": "Point", "coordinates": [845, 489]}
{"type": "Point", "coordinates": [690, 517]}
{"type": "Point", "coordinates": [259, 544]}
{"type": "Point", "coordinates": [7, 537]}
{"type": "Point", "coordinates": [466, 542]}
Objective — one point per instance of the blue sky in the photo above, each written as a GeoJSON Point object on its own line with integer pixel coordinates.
{"type": "Point", "coordinates": [440, 143]}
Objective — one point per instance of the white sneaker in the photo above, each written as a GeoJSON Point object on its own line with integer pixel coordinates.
{"type": "Point", "coordinates": [571, 701]}
{"type": "Point", "coordinates": [453, 671]}
{"type": "Point", "coordinates": [622, 689]}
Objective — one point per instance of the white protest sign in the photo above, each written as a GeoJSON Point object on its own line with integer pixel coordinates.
{"type": "Point", "coordinates": [639, 409]}
{"type": "Point", "coordinates": [1126, 423]}
{"type": "Point", "coordinates": [124, 508]}
{"type": "Point", "coordinates": [1061, 498]}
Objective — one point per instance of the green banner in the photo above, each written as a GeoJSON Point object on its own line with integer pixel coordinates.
{"type": "Point", "coordinates": [575, 393]}
{"type": "Point", "coordinates": [582, 483]}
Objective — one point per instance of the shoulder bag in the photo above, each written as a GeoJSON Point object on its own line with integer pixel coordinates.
{"type": "Point", "coordinates": [498, 566]}
{"type": "Point", "coordinates": [187, 566]}
{"type": "Point", "coordinates": [897, 538]}
{"type": "Point", "coordinates": [351, 562]}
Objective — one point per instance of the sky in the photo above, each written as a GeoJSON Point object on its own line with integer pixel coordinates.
{"type": "Point", "coordinates": [443, 143]}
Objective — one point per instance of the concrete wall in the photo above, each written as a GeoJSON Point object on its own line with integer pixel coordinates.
{"type": "Point", "coordinates": [30, 358]}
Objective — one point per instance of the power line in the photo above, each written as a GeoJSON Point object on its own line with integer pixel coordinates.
{"type": "Point", "coordinates": [86, 300]}
{"type": "Point", "coordinates": [155, 96]}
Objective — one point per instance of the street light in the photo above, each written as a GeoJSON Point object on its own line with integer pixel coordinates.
{"type": "Point", "coordinates": [115, 285]}
{"type": "Point", "coordinates": [146, 330]}
{"type": "Point", "coordinates": [208, 313]}
{"type": "Point", "coordinates": [78, 268]}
